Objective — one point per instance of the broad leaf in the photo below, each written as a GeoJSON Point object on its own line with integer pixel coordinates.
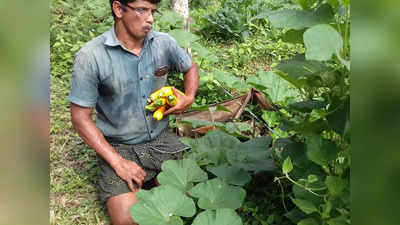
{"type": "Point", "coordinates": [231, 174]}
{"type": "Point", "coordinates": [308, 221]}
{"type": "Point", "coordinates": [300, 19]}
{"type": "Point", "coordinates": [216, 193]}
{"type": "Point", "coordinates": [340, 116]}
{"type": "Point", "coordinates": [278, 89]}
{"type": "Point", "coordinates": [215, 145]}
{"type": "Point", "coordinates": [293, 36]}
{"type": "Point", "coordinates": [321, 42]}
{"type": "Point", "coordinates": [204, 53]}
{"type": "Point", "coordinates": [230, 80]}
{"type": "Point", "coordinates": [217, 217]}
{"type": "Point", "coordinates": [287, 166]}
{"type": "Point", "coordinates": [181, 174]}
{"type": "Point", "coordinates": [295, 215]}
{"type": "Point", "coordinates": [300, 68]}
{"type": "Point", "coordinates": [162, 205]}
{"type": "Point", "coordinates": [320, 151]}
{"type": "Point", "coordinates": [341, 220]}
{"type": "Point", "coordinates": [336, 185]}
{"type": "Point", "coordinates": [252, 155]}
{"type": "Point", "coordinates": [307, 106]}
{"type": "Point", "coordinates": [305, 205]}
{"type": "Point", "coordinates": [183, 37]}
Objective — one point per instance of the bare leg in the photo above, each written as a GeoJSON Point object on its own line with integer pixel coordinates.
{"type": "Point", "coordinates": [118, 208]}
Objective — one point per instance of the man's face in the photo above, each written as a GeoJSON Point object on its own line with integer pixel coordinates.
{"type": "Point", "coordinates": [138, 18]}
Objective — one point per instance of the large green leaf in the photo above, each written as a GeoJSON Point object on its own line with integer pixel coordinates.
{"type": "Point", "coordinates": [277, 88]}
{"type": "Point", "coordinates": [340, 116]}
{"type": "Point", "coordinates": [307, 106]}
{"type": "Point", "coordinates": [336, 185]}
{"type": "Point", "coordinates": [320, 151]}
{"type": "Point", "coordinates": [215, 145]}
{"type": "Point", "coordinates": [295, 215]}
{"type": "Point", "coordinates": [321, 42]}
{"type": "Point", "coordinates": [204, 53]}
{"type": "Point", "coordinates": [216, 193]}
{"type": "Point", "coordinates": [293, 36]}
{"type": "Point", "coordinates": [300, 68]}
{"type": "Point", "coordinates": [300, 19]}
{"type": "Point", "coordinates": [341, 220]}
{"type": "Point", "coordinates": [252, 155]}
{"type": "Point", "coordinates": [304, 205]}
{"type": "Point", "coordinates": [230, 80]}
{"type": "Point", "coordinates": [231, 174]}
{"type": "Point", "coordinates": [217, 217]}
{"type": "Point", "coordinates": [183, 37]}
{"type": "Point", "coordinates": [162, 205]}
{"type": "Point", "coordinates": [181, 174]}
{"type": "Point", "coordinates": [308, 221]}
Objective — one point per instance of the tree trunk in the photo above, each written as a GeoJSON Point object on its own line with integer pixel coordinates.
{"type": "Point", "coordinates": [182, 7]}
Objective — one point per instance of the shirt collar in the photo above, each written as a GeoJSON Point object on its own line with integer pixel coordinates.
{"type": "Point", "coordinates": [112, 40]}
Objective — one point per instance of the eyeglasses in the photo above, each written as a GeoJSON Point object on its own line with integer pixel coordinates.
{"type": "Point", "coordinates": [144, 11]}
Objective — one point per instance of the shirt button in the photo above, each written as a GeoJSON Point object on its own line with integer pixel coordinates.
{"type": "Point", "coordinates": [151, 131]}
{"type": "Point", "coordinates": [141, 78]}
{"type": "Point", "coordinates": [144, 96]}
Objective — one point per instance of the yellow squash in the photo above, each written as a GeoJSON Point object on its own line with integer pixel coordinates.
{"type": "Point", "coordinates": [159, 113]}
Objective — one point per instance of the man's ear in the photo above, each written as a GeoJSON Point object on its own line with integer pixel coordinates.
{"type": "Point", "coordinates": [117, 9]}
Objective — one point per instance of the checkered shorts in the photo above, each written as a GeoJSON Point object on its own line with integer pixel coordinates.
{"type": "Point", "coordinates": [149, 156]}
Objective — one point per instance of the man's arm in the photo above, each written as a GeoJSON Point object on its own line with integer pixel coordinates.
{"type": "Point", "coordinates": [191, 83]}
{"type": "Point", "coordinates": [87, 129]}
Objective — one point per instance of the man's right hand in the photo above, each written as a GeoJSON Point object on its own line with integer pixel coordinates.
{"type": "Point", "coordinates": [130, 171]}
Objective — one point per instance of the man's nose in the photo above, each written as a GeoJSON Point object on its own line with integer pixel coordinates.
{"type": "Point", "coordinates": [150, 19]}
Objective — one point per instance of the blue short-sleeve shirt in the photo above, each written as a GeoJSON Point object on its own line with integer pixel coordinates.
{"type": "Point", "coordinates": [117, 83]}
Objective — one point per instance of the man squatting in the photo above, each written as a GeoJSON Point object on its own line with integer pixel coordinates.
{"type": "Point", "coordinates": [115, 73]}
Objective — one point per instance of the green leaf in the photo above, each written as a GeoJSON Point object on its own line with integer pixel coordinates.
{"type": "Point", "coordinates": [183, 37]}
{"type": "Point", "coordinates": [340, 116]}
{"type": "Point", "coordinates": [321, 151]}
{"type": "Point", "coordinates": [272, 118]}
{"type": "Point", "coordinates": [305, 4]}
{"type": "Point", "coordinates": [312, 178]}
{"type": "Point", "coordinates": [321, 42]}
{"type": "Point", "coordinates": [162, 205]}
{"type": "Point", "coordinates": [278, 89]}
{"type": "Point", "coordinates": [341, 220]}
{"type": "Point", "coordinates": [307, 106]}
{"type": "Point", "coordinates": [293, 36]}
{"type": "Point", "coordinates": [287, 166]}
{"type": "Point", "coordinates": [181, 174]}
{"type": "Point", "coordinates": [308, 221]}
{"type": "Point", "coordinates": [295, 215]}
{"type": "Point", "coordinates": [231, 81]}
{"type": "Point", "coordinates": [296, 152]}
{"type": "Point", "coordinates": [300, 19]}
{"type": "Point", "coordinates": [231, 174]}
{"type": "Point", "coordinates": [222, 108]}
{"type": "Point", "coordinates": [305, 205]}
{"type": "Point", "coordinates": [215, 145]}
{"type": "Point", "coordinates": [336, 185]}
{"type": "Point", "coordinates": [252, 155]}
{"type": "Point", "coordinates": [216, 193]}
{"type": "Point", "coordinates": [204, 53]}
{"type": "Point", "coordinates": [299, 68]}
{"type": "Point", "coordinates": [217, 217]}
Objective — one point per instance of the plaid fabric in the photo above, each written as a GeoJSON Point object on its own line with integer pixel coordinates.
{"type": "Point", "coordinates": [149, 156]}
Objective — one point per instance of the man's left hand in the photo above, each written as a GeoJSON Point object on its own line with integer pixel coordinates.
{"type": "Point", "coordinates": [184, 102]}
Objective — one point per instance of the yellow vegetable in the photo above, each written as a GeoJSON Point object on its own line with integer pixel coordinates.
{"type": "Point", "coordinates": [159, 113]}
{"type": "Point", "coordinates": [161, 93]}
{"type": "Point", "coordinates": [172, 100]}
{"type": "Point", "coordinates": [156, 104]}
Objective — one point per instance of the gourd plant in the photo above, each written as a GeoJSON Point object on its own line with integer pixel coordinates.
{"type": "Point", "coordinates": [316, 147]}
{"type": "Point", "coordinates": [211, 176]}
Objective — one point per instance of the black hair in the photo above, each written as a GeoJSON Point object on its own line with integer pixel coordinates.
{"type": "Point", "coordinates": [124, 2]}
